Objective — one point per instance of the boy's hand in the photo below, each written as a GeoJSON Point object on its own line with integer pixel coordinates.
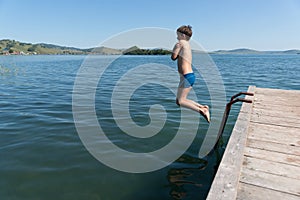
{"type": "Point", "coordinates": [176, 51]}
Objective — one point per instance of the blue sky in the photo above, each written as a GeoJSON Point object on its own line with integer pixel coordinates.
{"type": "Point", "coordinates": [217, 24]}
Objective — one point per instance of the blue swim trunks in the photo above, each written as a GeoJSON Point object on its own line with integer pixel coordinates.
{"type": "Point", "coordinates": [187, 80]}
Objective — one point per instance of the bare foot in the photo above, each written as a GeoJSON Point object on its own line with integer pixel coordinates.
{"type": "Point", "coordinates": [205, 113]}
{"type": "Point", "coordinates": [203, 106]}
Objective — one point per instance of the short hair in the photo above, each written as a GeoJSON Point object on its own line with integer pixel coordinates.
{"type": "Point", "coordinates": [187, 30]}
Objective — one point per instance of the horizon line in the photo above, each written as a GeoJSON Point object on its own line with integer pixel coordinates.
{"type": "Point", "coordinates": [120, 48]}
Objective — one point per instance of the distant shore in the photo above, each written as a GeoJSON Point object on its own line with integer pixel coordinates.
{"type": "Point", "coordinates": [12, 47]}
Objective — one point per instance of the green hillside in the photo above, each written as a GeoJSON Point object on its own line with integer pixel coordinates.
{"type": "Point", "coordinates": [16, 47]}
{"type": "Point", "coordinates": [8, 47]}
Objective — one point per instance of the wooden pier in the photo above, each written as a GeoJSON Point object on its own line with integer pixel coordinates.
{"type": "Point", "coordinates": [262, 157]}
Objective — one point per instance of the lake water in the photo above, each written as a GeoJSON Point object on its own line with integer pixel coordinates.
{"type": "Point", "coordinates": [42, 156]}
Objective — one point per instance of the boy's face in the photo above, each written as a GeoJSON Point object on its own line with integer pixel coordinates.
{"type": "Point", "coordinates": [180, 36]}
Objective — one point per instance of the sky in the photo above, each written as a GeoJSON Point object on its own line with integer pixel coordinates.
{"type": "Point", "coordinates": [217, 24]}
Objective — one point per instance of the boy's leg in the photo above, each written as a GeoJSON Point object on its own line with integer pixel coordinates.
{"type": "Point", "coordinates": [182, 96]}
{"type": "Point", "coordinates": [197, 104]}
{"type": "Point", "coordinates": [182, 100]}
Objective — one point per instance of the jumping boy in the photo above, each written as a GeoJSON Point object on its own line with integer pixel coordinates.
{"type": "Point", "coordinates": [183, 54]}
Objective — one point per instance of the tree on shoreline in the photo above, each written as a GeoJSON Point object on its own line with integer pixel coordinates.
{"type": "Point", "coordinates": [147, 52]}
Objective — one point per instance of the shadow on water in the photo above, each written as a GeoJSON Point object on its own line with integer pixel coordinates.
{"type": "Point", "coordinates": [193, 180]}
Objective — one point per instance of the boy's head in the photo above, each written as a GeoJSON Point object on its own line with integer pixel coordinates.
{"type": "Point", "coordinates": [185, 32]}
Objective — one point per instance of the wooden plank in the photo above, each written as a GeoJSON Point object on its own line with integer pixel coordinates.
{"type": "Point", "coordinates": [272, 156]}
{"type": "Point", "coordinates": [273, 146]}
{"type": "Point", "coordinates": [277, 134]}
{"type": "Point", "coordinates": [270, 181]}
{"type": "Point", "coordinates": [269, 102]}
{"type": "Point", "coordinates": [252, 192]}
{"type": "Point", "coordinates": [277, 92]}
{"type": "Point", "coordinates": [277, 111]}
{"type": "Point", "coordinates": [225, 184]}
{"type": "Point", "coordinates": [271, 167]}
{"type": "Point", "coordinates": [279, 121]}
{"type": "Point", "coordinates": [268, 98]}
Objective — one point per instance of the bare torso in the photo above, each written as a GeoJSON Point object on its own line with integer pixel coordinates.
{"type": "Point", "coordinates": [184, 61]}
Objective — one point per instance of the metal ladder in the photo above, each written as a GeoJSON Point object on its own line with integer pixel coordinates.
{"type": "Point", "coordinates": [232, 101]}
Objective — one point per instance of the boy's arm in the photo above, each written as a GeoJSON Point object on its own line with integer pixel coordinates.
{"type": "Point", "coordinates": [176, 51]}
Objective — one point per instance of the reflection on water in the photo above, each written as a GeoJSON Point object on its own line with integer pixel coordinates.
{"type": "Point", "coordinates": [179, 178]}
{"type": "Point", "coordinates": [188, 178]}
{"type": "Point", "coordinates": [184, 181]}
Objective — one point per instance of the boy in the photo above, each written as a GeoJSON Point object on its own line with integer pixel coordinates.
{"type": "Point", "coordinates": [183, 54]}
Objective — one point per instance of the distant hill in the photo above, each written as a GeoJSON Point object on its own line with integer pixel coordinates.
{"type": "Point", "coordinates": [292, 51]}
{"type": "Point", "coordinates": [15, 47]}
{"type": "Point", "coordinates": [237, 51]}
{"type": "Point", "coordinates": [251, 51]}
{"type": "Point", "coordinates": [104, 51]}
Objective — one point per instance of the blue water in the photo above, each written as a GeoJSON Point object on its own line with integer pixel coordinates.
{"type": "Point", "coordinates": [42, 156]}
